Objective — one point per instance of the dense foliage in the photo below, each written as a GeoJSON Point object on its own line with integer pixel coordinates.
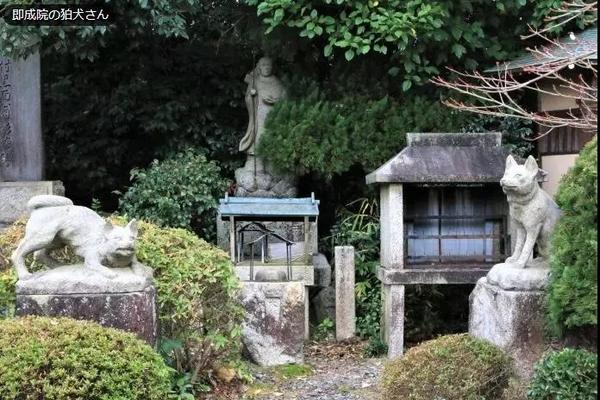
{"type": "Point", "coordinates": [63, 359]}
{"type": "Point", "coordinates": [454, 367]}
{"type": "Point", "coordinates": [200, 317]}
{"type": "Point", "coordinates": [337, 134]}
{"type": "Point", "coordinates": [416, 38]}
{"type": "Point", "coordinates": [573, 290]}
{"type": "Point", "coordinates": [567, 374]}
{"type": "Point", "coordinates": [515, 132]}
{"type": "Point", "coordinates": [181, 191]}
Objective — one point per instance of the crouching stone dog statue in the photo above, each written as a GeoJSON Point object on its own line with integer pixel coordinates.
{"type": "Point", "coordinates": [110, 286]}
{"type": "Point", "coordinates": [56, 222]}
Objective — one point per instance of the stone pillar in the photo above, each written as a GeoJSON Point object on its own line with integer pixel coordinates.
{"type": "Point", "coordinates": [21, 147]}
{"type": "Point", "coordinates": [392, 257]}
{"type": "Point", "coordinates": [507, 309]}
{"type": "Point", "coordinates": [126, 302]}
{"type": "Point", "coordinates": [345, 314]}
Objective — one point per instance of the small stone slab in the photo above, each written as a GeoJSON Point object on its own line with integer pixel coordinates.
{"type": "Point", "coordinates": [511, 277]}
{"type": "Point", "coordinates": [76, 279]}
{"type": "Point", "coordinates": [273, 331]}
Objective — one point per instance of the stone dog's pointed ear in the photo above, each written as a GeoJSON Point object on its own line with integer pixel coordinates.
{"type": "Point", "coordinates": [531, 165]}
{"type": "Point", "coordinates": [510, 162]}
{"type": "Point", "coordinates": [107, 227]}
{"type": "Point", "coordinates": [133, 226]}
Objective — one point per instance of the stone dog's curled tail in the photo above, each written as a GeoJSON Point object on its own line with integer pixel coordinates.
{"type": "Point", "coordinates": [47, 200]}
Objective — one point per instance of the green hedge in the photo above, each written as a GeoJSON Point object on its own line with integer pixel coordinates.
{"type": "Point", "coordinates": [328, 137]}
{"type": "Point", "coordinates": [568, 374]}
{"type": "Point", "coordinates": [453, 367]}
{"type": "Point", "coordinates": [64, 359]}
{"type": "Point", "coordinates": [573, 290]}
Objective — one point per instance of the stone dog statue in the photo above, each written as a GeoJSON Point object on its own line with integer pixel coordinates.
{"type": "Point", "coordinates": [532, 211]}
{"type": "Point", "coordinates": [56, 222]}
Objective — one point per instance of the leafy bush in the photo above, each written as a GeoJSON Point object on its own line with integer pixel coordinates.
{"type": "Point", "coordinates": [573, 289]}
{"type": "Point", "coordinates": [514, 131]}
{"type": "Point", "coordinates": [44, 358]}
{"type": "Point", "coordinates": [568, 374]}
{"type": "Point", "coordinates": [453, 367]}
{"type": "Point", "coordinates": [181, 192]}
{"type": "Point", "coordinates": [200, 317]}
{"type": "Point", "coordinates": [328, 137]}
{"type": "Point", "coordinates": [8, 279]}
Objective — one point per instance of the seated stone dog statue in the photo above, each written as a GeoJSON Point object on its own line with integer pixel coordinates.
{"type": "Point", "coordinates": [532, 211]}
{"type": "Point", "coordinates": [56, 222]}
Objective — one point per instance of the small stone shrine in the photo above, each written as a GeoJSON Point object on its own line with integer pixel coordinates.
{"type": "Point", "coordinates": [109, 286]}
{"type": "Point", "coordinates": [507, 306]}
{"type": "Point", "coordinates": [21, 147]}
{"type": "Point", "coordinates": [276, 273]}
{"type": "Point", "coordinates": [444, 218]}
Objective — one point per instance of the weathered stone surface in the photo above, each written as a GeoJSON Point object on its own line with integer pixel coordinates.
{"type": "Point", "coordinates": [76, 279]}
{"type": "Point", "coordinates": [132, 311]}
{"type": "Point", "coordinates": [263, 183]}
{"type": "Point", "coordinates": [323, 304]}
{"type": "Point", "coordinates": [512, 320]}
{"type": "Point", "coordinates": [511, 277]}
{"type": "Point", "coordinates": [274, 328]}
{"type": "Point", "coordinates": [21, 145]}
{"type": "Point", "coordinates": [322, 270]}
{"type": "Point", "coordinates": [345, 308]}
{"type": "Point", "coordinates": [15, 195]}
{"type": "Point", "coordinates": [393, 319]}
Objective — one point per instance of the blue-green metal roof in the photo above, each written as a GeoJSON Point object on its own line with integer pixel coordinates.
{"type": "Point", "coordinates": [585, 42]}
{"type": "Point", "coordinates": [266, 209]}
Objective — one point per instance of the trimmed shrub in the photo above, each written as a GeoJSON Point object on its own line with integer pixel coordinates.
{"type": "Point", "coordinates": [60, 359]}
{"type": "Point", "coordinates": [328, 137]}
{"type": "Point", "coordinates": [181, 191]}
{"type": "Point", "coordinates": [200, 316]}
{"type": "Point", "coordinates": [573, 289]}
{"type": "Point", "coordinates": [453, 367]}
{"type": "Point", "coordinates": [568, 374]}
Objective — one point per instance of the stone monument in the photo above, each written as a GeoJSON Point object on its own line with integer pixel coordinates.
{"type": "Point", "coordinates": [21, 146]}
{"type": "Point", "coordinates": [110, 286]}
{"type": "Point", "coordinates": [256, 178]}
{"type": "Point", "coordinates": [507, 306]}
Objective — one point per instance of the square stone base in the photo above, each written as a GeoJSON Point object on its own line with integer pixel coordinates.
{"type": "Point", "coordinates": [15, 195]}
{"type": "Point", "coordinates": [513, 320]}
{"type": "Point", "coordinates": [275, 324]}
{"type": "Point", "coordinates": [132, 311]}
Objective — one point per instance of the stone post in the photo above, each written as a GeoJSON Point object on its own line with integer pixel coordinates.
{"type": "Point", "coordinates": [21, 147]}
{"type": "Point", "coordinates": [392, 257]}
{"type": "Point", "coordinates": [345, 314]}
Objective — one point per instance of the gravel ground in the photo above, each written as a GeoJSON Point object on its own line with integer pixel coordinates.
{"type": "Point", "coordinates": [335, 376]}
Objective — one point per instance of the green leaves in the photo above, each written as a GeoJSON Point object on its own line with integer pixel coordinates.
{"type": "Point", "coordinates": [181, 191]}
{"type": "Point", "coordinates": [566, 374]}
{"type": "Point", "coordinates": [419, 35]}
{"type": "Point", "coordinates": [573, 289]}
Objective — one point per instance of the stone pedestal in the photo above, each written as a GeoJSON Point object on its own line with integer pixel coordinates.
{"type": "Point", "coordinates": [510, 313]}
{"type": "Point", "coordinates": [127, 302]}
{"type": "Point", "coordinates": [274, 328]}
{"type": "Point", "coordinates": [263, 182]}
{"type": "Point", "coordinates": [15, 195]}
